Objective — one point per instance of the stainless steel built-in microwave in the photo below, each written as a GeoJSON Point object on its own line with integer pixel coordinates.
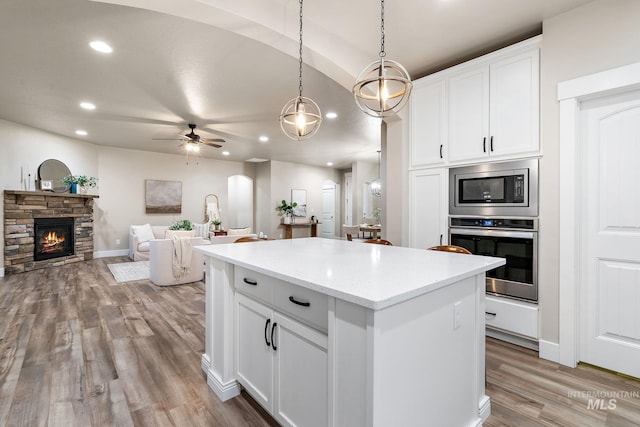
{"type": "Point", "coordinates": [495, 189]}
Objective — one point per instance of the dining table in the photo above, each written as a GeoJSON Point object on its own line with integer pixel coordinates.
{"type": "Point", "coordinates": [373, 229]}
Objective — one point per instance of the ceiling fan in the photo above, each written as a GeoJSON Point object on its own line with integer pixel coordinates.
{"type": "Point", "coordinates": [192, 139]}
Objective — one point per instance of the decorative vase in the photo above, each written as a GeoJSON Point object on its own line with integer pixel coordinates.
{"type": "Point", "coordinates": [217, 227]}
{"type": "Point", "coordinates": [287, 219]}
{"type": "Point", "coordinates": [83, 189]}
{"type": "Point", "coordinates": [73, 188]}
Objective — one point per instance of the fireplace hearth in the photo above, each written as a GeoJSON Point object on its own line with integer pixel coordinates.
{"type": "Point", "coordinates": [53, 238]}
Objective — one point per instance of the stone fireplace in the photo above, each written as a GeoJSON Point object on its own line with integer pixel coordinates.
{"type": "Point", "coordinates": [43, 230]}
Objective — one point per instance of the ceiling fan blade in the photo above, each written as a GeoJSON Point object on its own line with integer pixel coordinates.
{"type": "Point", "coordinates": [213, 140]}
{"type": "Point", "coordinates": [211, 144]}
{"type": "Point", "coordinates": [167, 139]}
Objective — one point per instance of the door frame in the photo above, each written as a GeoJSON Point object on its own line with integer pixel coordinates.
{"type": "Point", "coordinates": [570, 95]}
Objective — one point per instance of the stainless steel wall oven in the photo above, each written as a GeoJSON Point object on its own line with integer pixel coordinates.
{"type": "Point", "coordinates": [515, 239]}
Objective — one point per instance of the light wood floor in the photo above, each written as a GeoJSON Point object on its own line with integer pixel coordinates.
{"type": "Point", "coordinates": [77, 348]}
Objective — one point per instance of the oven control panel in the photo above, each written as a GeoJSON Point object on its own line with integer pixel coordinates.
{"type": "Point", "coordinates": [503, 223]}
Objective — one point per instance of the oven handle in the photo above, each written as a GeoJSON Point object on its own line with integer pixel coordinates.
{"type": "Point", "coordinates": [493, 232]}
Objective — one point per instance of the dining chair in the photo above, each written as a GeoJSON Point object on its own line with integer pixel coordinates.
{"type": "Point", "coordinates": [450, 248]}
{"type": "Point", "coordinates": [248, 239]}
{"type": "Point", "coordinates": [379, 242]}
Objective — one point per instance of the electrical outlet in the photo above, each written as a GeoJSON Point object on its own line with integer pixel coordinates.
{"type": "Point", "coordinates": [117, 242]}
{"type": "Point", "coordinates": [457, 314]}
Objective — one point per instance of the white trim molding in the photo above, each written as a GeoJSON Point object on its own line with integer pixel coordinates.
{"type": "Point", "coordinates": [106, 254]}
{"type": "Point", "coordinates": [549, 351]}
{"type": "Point", "coordinates": [570, 94]}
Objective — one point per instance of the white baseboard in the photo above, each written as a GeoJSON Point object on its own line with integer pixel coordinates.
{"type": "Point", "coordinates": [549, 351]}
{"type": "Point", "coordinates": [106, 254]}
{"type": "Point", "coordinates": [484, 409]}
{"type": "Point", "coordinates": [224, 391]}
{"type": "Point", "coordinates": [512, 338]}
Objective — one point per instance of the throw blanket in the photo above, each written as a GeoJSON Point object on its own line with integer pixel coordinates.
{"type": "Point", "coordinates": [181, 256]}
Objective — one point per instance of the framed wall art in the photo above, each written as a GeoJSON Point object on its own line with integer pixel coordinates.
{"type": "Point", "coordinates": [163, 197]}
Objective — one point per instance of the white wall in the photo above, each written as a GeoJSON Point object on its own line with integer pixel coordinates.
{"type": "Point", "coordinates": [122, 189]}
{"type": "Point", "coordinates": [598, 36]}
{"type": "Point", "coordinates": [286, 176]}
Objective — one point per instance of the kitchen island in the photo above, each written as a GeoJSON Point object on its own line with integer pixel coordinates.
{"type": "Point", "coordinates": [326, 332]}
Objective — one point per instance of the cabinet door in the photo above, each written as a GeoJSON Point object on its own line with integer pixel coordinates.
{"type": "Point", "coordinates": [428, 123]}
{"type": "Point", "coordinates": [469, 114]}
{"type": "Point", "coordinates": [301, 374]}
{"type": "Point", "coordinates": [428, 211]}
{"type": "Point", "coordinates": [514, 107]}
{"type": "Point", "coordinates": [254, 359]}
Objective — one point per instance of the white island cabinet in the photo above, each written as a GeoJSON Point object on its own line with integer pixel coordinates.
{"type": "Point", "coordinates": [325, 332]}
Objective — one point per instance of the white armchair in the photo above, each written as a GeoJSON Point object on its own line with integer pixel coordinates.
{"type": "Point", "coordinates": [139, 238]}
{"type": "Point", "coordinates": [161, 263]}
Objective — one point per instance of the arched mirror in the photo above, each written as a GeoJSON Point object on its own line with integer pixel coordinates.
{"type": "Point", "coordinates": [53, 170]}
{"type": "Point", "coordinates": [240, 195]}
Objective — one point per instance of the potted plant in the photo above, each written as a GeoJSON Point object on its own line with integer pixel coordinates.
{"type": "Point", "coordinates": [216, 223]}
{"type": "Point", "coordinates": [81, 181]}
{"type": "Point", "coordinates": [286, 209]}
{"type": "Point", "coordinates": [183, 224]}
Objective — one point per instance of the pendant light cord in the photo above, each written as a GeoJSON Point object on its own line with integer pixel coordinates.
{"type": "Point", "coordinates": [382, 52]}
{"type": "Point", "coordinates": [300, 51]}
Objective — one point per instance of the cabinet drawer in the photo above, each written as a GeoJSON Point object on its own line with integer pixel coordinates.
{"type": "Point", "coordinates": [253, 284]}
{"type": "Point", "coordinates": [304, 304]}
{"type": "Point", "coordinates": [512, 316]}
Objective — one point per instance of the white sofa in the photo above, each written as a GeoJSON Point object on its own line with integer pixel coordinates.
{"type": "Point", "coordinates": [161, 263]}
{"type": "Point", "coordinates": [140, 237]}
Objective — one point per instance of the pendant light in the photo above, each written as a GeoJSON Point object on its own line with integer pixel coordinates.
{"type": "Point", "coordinates": [301, 117]}
{"type": "Point", "coordinates": [376, 184]}
{"type": "Point", "coordinates": [384, 86]}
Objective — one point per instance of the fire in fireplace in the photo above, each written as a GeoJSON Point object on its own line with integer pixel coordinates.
{"type": "Point", "coordinates": [53, 238]}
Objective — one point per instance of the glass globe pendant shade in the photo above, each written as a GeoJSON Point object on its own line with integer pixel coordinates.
{"type": "Point", "coordinates": [376, 188]}
{"type": "Point", "coordinates": [300, 118]}
{"type": "Point", "coordinates": [382, 88]}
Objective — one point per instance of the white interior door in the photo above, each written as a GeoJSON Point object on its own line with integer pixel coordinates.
{"type": "Point", "coordinates": [328, 211]}
{"type": "Point", "coordinates": [348, 198]}
{"type": "Point", "coordinates": [610, 262]}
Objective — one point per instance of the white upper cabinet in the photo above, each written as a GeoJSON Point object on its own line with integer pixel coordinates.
{"type": "Point", "coordinates": [428, 123]}
{"type": "Point", "coordinates": [514, 107]}
{"type": "Point", "coordinates": [469, 114]}
{"type": "Point", "coordinates": [481, 109]}
{"type": "Point", "coordinates": [494, 108]}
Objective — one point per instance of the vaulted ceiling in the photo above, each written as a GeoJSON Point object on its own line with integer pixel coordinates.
{"type": "Point", "coordinates": [230, 66]}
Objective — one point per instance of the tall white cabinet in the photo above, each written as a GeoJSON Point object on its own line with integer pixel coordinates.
{"type": "Point", "coordinates": [486, 109]}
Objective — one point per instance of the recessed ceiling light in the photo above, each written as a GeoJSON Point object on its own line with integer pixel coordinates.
{"type": "Point", "coordinates": [87, 106]}
{"type": "Point", "coordinates": [81, 132]}
{"type": "Point", "coordinates": [101, 46]}
{"type": "Point", "coordinates": [264, 138]}
{"type": "Point", "coordinates": [329, 163]}
{"type": "Point", "coordinates": [225, 153]}
{"type": "Point", "coordinates": [256, 160]}
{"type": "Point", "coordinates": [331, 115]}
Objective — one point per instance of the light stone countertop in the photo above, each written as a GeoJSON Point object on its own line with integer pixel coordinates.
{"type": "Point", "coordinates": [373, 276]}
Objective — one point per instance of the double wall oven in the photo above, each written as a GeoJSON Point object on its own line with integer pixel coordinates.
{"type": "Point", "coordinates": [493, 211]}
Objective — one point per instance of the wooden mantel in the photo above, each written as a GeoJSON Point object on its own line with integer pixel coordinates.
{"type": "Point", "coordinates": [21, 195]}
